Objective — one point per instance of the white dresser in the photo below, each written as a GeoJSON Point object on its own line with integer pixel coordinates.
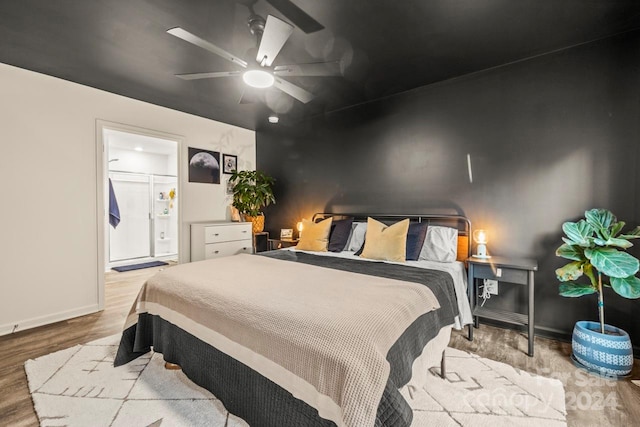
{"type": "Point", "coordinates": [218, 239]}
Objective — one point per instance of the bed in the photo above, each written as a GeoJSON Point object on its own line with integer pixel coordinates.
{"type": "Point", "coordinates": [303, 338]}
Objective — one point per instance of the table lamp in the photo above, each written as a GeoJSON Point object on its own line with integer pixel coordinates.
{"type": "Point", "coordinates": [299, 226]}
{"type": "Point", "coordinates": [480, 237]}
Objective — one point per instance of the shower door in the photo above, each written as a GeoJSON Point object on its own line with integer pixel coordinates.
{"type": "Point", "coordinates": [132, 237]}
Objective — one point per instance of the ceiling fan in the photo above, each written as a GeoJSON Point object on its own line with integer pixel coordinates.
{"type": "Point", "coordinates": [271, 35]}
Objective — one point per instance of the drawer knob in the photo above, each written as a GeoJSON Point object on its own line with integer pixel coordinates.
{"type": "Point", "coordinates": [216, 234]}
{"type": "Point", "coordinates": [216, 252]}
{"type": "Point", "coordinates": [244, 231]}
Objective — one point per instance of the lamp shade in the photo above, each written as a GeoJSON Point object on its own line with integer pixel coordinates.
{"type": "Point", "coordinates": [480, 237]}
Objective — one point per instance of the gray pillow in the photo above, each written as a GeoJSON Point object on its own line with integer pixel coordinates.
{"type": "Point", "coordinates": [359, 229]}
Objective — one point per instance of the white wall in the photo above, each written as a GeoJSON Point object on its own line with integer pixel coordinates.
{"type": "Point", "coordinates": [48, 214]}
{"type": "Point", "coordinates": [141, 162]}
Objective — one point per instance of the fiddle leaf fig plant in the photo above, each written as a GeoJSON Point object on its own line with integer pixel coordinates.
{"type": "Point", "coordinates": [596, 249]}
{"type": "Point", "coordinates": [252, 191]}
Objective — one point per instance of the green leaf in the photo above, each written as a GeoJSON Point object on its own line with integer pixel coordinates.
{"type": "Point", "coordinates": [574, 290]}
{"type": "Point", "coordinates": [600, 219]}
{"type": "Point", "coordinates": [633, 234]}
{"type": "Point", "coordinates": [571, 271]}
{"type": "Point", "coordinates": [578, 232]}
{"type": "Point", "coordinates": [587, 269]}
{"type": "Point", "coordinates": [612, 262]}
{"type": "Point", "coordinates": [617, 228]}
{"type": "Point", "coordinates": [619, 242]}
{"type": "Point", "coordinates": [572, 252]}
{"type": "Point", "coordinates": [628, 287]}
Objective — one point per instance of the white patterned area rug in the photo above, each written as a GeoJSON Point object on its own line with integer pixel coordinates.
{"type": "Point", "coordinates": [80, 387]}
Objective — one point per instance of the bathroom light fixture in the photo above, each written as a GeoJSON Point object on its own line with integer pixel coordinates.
{"type": "Point", "coordinates": [274, 119]}
{"type": "Point", "coordinates": [480, 237]}
{"type": "Point", "coordinates": [258, 78]}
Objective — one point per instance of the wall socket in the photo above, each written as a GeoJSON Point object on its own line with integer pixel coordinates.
{"type": "Point", "coordinates": [491, 286]}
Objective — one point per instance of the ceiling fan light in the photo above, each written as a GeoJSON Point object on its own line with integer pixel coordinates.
{"type": "Point", "coordinates": [258, 78]}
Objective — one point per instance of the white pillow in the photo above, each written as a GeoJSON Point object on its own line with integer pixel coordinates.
{"type": "Point", "coordinates": [356, 240]}
{"type": "Point", "coordinates": [441, 244]}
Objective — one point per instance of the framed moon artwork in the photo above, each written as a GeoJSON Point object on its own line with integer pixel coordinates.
{"type": "Point", "coordinates": [204, 166]}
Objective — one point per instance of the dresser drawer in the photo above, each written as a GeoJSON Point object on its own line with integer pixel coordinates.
{"type": "Point", "coordinates": [509, 275]}
{"type": "Point", "coordinates": [215, 250]}
{"type": "Point", "coordinates": [227, 233]}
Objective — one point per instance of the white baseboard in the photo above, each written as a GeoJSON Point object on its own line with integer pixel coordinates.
{"type": "Point", "coordinates": [21, 325]}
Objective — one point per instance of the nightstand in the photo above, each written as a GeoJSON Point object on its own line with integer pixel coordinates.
{"type": "Point", "coordinates": [261, 242]}
{"type": "Point", "coordinates": [282, 243]}
{"type": "Point", "coordinates": [509, 272]}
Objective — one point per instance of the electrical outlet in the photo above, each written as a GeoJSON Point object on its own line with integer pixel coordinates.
{"type": "Point", "coordinates": [491, 286]}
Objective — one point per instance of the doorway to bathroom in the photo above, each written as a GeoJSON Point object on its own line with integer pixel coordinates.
{"type": "Point", "coordinates": [141, 198]}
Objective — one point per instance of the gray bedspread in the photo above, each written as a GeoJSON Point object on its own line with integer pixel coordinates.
{"type": "Point", "coordinates": [260, 401]}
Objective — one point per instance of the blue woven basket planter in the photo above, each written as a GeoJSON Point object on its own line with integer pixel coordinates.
{"type": "Point", "coordinates": [604, 354]}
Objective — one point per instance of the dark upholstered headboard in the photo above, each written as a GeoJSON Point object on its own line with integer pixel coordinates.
{"type": "Point", "coordinates": [459, 222]}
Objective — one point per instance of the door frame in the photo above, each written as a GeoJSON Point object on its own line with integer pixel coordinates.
{"type": "Point", "coordinates": [102, 189]}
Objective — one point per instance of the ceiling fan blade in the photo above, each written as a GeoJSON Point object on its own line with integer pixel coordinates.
{"type": "Point", "coordinates": [296, 15]}
{"type": "Point", "coordinates": [198, 76]}
{"type": "Point", "coordinates": [275, 35]}
{"type": "Point", "coordinates": [195, 40]}
{"type": "Point", "coordinates": [297, 92]}
{"type": "Point", "coordinates": [317, 69]}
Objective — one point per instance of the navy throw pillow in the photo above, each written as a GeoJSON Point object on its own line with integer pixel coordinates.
{"type": "Point", "coordinates": [340, 231]}
{"type": "Point", "coordinates": [415, 239]}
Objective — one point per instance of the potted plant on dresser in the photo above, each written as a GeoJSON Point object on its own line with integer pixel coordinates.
{"type": "Point", "coordinates": [252, 191]}
{"type": "Point", "coordinates": [597, 248]}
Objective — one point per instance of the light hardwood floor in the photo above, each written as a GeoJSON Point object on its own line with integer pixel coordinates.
{"type": "Point", "coordinates": [591, 401]}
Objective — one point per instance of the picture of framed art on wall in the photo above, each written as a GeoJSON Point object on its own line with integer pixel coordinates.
{"type": "Point", "coordinates": [229, 162]}
{"type": "Point", "coordinates": [204, 166]}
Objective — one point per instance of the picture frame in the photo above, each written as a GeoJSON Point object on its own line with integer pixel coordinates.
{"type": "Point", "coordinates": [286, 233]}
{"type": "Point", "coordinates": [229, 163]}
{"type": "Point", "coordinates": [204, 166]}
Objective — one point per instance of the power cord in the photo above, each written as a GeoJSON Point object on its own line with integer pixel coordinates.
{"type": "Point", "coordinates": [485, 292]}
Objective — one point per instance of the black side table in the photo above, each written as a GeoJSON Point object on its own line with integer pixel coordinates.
{"type": "Point", "coordinates": [507, 271]}
{"type": "Point", "coordinates": [261, 242]}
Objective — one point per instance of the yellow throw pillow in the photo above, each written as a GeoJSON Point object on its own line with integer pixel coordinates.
{"type": "Point", "coordinates": [387, 243]}
{"type": "Point", "coordinates": [315, 237]}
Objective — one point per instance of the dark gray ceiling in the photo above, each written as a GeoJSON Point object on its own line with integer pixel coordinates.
{"type": "Point", "coordinates": [385, 47]}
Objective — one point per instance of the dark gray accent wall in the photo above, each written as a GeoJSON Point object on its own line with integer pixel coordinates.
{"type": "Point", "coordinates": [548, 138]}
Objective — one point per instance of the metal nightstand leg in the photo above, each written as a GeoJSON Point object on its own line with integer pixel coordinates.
{"type": "Point", "coordinates": [531, 312]}
{"type": "Point", "coordinates": [471, 287]}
